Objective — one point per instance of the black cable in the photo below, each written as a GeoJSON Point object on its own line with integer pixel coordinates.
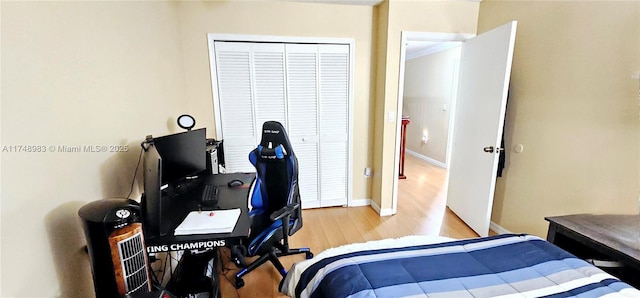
{"type": "Point", "coordinates": [224, 270]}
{"type": "Point", "coordinates": [156, 272]}
{"type": "Point", "coordinates": [156, 283]}
{"type": "Point", "coordinates": [164, 267]}
{"type": "Point", "coordinates": [151, 258]}
{"type": "Point", "coordinates": [171, 259]}
{"type": "Point", "coordinates": [135, 174]}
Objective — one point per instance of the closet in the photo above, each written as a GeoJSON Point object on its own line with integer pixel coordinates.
{"type": "Point", "coordinates": [306, 87]}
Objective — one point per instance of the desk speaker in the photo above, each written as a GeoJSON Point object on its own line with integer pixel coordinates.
{"type": "Point", "coordinates": [115, 242]}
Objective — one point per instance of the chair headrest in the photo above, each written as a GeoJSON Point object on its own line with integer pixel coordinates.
{"type": "Point", "coordinates": [272, 153]}
{"type": "Point", "coordinates": [275, 141]}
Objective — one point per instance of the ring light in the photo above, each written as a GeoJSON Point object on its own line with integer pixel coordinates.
{"type": "Point", "coordinates": [186, 121]}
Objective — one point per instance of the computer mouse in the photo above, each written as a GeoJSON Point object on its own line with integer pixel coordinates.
{"type": "Point", "coordinates": [235, 183]}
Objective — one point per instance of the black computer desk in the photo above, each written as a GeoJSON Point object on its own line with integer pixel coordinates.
{"type": "Point", "coordinates": [200, 250]}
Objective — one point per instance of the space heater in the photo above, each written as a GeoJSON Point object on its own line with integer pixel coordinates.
{"type": "Point", "coordinates": [115, 243]}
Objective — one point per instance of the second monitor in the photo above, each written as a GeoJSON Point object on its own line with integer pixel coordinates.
{"type": "Point", "coordinates": [183, 154]}
{"type": "Point", "coordinates": [168, 161]}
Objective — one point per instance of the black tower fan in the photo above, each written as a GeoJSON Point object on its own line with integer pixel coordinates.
{"type": "Point", "coordinates": [119, 263]}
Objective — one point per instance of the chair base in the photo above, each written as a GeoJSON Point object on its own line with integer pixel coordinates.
{"type": "Point", "coordinates": [273, 257]}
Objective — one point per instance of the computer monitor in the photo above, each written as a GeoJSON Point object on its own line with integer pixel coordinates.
{"type": "Point", "coordinates": [183, 154]}
{"type": "Point", "coordinates": [152, 199]}
{"type": "Point", "coordinates": [167, 160]}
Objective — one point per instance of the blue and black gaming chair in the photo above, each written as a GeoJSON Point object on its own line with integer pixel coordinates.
{"type": "Point", "coordinates": [275, 199]}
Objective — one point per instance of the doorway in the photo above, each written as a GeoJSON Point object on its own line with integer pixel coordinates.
{"type": "Point", "coordinates": [485, 69]}
{"type": "Point", "coordinates": [415, 44]}
{"type": "Point", "coordinates": [429, 96]}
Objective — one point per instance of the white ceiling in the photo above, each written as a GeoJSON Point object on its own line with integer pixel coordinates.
{"type": "Point", "coordinates": [418, 48]}
{"type": "Point", "coordinates": [414, 47]}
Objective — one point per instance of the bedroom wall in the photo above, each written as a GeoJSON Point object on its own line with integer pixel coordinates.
{"type": "Point", "coordinates": [574, 107]}
{"type": "Point", "coordinates": [281, 19]}
{"type": "Point", "coordinates": [420, 16]}
{"type": "Point", "coordinates": [428, 91]}
{"type": "Point", "coordinates": [73, 74]}
{"type": "Point", "coordinates": [111, 73]}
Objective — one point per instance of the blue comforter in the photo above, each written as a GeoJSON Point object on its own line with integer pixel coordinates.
{"type": "Point", "coordinates": [504, 265]}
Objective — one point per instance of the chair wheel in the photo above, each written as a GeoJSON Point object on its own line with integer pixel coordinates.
{"type": "Point", "coordinates": [309, 255]}
{"type": "Point", "coordinates": [239, 283]}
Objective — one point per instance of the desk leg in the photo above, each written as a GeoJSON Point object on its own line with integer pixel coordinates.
{"type": "Point", "coordinates": [551, 233]}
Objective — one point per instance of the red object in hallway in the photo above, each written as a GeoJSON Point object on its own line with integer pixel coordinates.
{"type": "Point", "coordinates": [403, 141]}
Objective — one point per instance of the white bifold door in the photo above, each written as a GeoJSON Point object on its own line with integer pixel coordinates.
{"type": "Point", "coordinates": [303, 86]}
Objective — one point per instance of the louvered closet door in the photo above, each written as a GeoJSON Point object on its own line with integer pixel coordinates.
{"type": "Point", "coordinates": [302, 83]}
{"type": "Point", "coordinates": [269, 84]}
{"type": "Point", "coordinates": [251, 79]}
{"type": "Point", "coordinates": [334, 119]}
{"type": "Point", "coordinates": [235, 92]}
{"type": "Point", "coordinates": [306, 88]}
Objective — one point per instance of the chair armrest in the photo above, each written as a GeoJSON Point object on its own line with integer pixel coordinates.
{"type": "Point", "coordinates": [283, 212]}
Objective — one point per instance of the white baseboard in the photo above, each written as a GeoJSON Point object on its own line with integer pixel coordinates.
{"type": "Point", "coordinates": [369, 202]}
{"type": "Point", "coordinates": [382, 212]}
{"type": "Point", "coordinates": [427, 159]}
{"type": "Point", "coordinates": [359, 202]}
{"type": "Point", "coordinates": [498, 229]}
{"type": "Point", "coordinates": [375, 206]}
{"type": "Point", "coordinates": [387, 212]}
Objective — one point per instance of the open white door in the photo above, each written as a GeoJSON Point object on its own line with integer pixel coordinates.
{"type": "Point", "coordinates": [485, 69]}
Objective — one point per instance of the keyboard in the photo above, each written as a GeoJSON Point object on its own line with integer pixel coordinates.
{"type": "Point", "coordinates": [209, 195]}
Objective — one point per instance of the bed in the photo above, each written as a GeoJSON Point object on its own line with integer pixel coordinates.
{"type": "Point", "coordinates": [418, 266]}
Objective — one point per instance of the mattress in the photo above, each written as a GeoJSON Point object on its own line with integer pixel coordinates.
{"type": "Point", "coordinates": [498, 266]}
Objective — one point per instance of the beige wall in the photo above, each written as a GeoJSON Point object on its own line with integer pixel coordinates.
{"type": "Point", "coordinates": [76, 73]}
{"type": "Point", "coordinates": [84, 73]}
{"type": "Point", "coordinates": [378, 114]}
{"type": "Point", "coordinates": [573, 106]}
{"type": "Point", "coordinates": [420, 16]}
{"type": "Point", "coordinates": [281, 19]}
{"type": "Point", "coordinates": [427, 94]}
{"type": "Point", "coordinates": [109, 73]}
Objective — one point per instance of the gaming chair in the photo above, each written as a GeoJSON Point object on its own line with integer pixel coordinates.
{"type": "Point", "coordinates": [276, 212]}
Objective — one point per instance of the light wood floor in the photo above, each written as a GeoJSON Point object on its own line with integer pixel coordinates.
{"type": "Point", "coordinates": [421, 211]}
